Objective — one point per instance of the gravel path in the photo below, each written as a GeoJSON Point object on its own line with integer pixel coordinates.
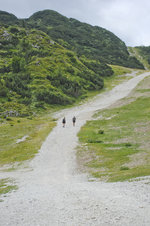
{"type": "Point", "coordinates": [53, 193]}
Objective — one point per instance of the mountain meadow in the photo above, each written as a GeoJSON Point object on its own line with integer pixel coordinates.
{"type": "Point", "coordinates": [49, 62]}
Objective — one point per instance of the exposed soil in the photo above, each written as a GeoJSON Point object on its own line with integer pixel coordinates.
{"type": "Point", "coordinates": [53, 192]}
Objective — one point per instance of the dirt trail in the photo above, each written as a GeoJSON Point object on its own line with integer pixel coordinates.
{"type": "Point", "coordinates": [52, 192]}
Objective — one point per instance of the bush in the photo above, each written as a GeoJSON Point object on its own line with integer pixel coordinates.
{"type": "Point", "coordinates": [9, 119]}
{"type": "Point", "coordinates": [16, 64]}
{"type": "Point", "coordinates": [40, 105]}
{"type": "Point", "coordinates": [52, 97]}
{"type": "Point", "coordinates": [94, 141]}
{"type": "Point", "coordinates": [124, 168]}
{"type": "Point", "coordinates": [13, 29]}
{"type": "Point", "coordinates": [128, 144]}
{"type": "Point", "coordinates": [3, 91]}
{"type": "Point", "coordinates": [101, 131]}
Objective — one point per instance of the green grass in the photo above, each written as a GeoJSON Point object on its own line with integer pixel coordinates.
{"type": "Point", "coordinates": [36, 128]}
{"type": "Point", "coordinates": [119, 70]}
{"type": "Point", "coordinates": [118, 153]}
{"type": "Point", "coordinates": [6, 186]}
{"type": "Point", "coordinates": [144, 90]}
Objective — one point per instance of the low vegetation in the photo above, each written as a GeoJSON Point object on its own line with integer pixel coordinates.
{"type": "Point", "coordinates": [94, 42]}
{"type": "Point", "coordinates": [120, 74]}
{"type": "Point", "coordinates": [36, 71]}
{"type": "Point", "coordinates": [6, 186]}
{"type": "Point", "coordinates": [115, 146]}
{"type": "Point", "coordinates": [34, 130]}
{"type": "Point", "coordinates": [142, 53]}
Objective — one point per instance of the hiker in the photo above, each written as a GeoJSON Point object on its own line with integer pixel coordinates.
{"type": "Point", "coordinates": [64, 122]}
{"type": "Point", "coordinates": [74, 120]}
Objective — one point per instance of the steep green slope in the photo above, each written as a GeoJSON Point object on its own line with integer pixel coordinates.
{"type": "Point", "coordinates": [35, 70]}
{"type": "Point", "coordinates": [92, 41]}
{"type": "Point", "coordinates": [142, 53]}
{"type": "Point", "coordinates": [8, 18]}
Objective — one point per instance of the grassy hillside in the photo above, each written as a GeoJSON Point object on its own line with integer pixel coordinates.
{"type": "Point", "coordinates": [36, 71]}
{"type": "Point", "coordinates": [115, 146]}
{"type": "Point", "coordinates": [142, 53]}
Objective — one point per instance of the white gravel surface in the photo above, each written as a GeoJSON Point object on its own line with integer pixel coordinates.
{"type": "Point", "coordinates": [53, 193]}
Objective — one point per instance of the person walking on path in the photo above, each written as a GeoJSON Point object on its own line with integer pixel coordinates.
{"type": "Point", "coordinates": [64, 121]}
{"type": "Point", "coordinates": [74, 120]}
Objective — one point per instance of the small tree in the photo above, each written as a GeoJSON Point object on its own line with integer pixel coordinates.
{"type": "Point", "coordinates": [22, 64]}
{"type": "Point", "coordinates": [3, 89]}
{"type": "Point", "coordinates": [16, 64]}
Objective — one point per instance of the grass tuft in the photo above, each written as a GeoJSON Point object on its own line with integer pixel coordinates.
{"type": "Point", "coordinates": [124, 168]}
{"type": "Point", "coordinates": [6, 186]}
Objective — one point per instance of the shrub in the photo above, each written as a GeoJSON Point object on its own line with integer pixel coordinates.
{"type": "Point", "coordinates": [8, 119]}
{"type": "Point", "coordinates": [94, 141]}
{"type": "Point", "coordinates": [128, 145]}
{"type": "Point", "coordinates": [124, 168]}
{"type": "Point", "coordinates": [101, 131]}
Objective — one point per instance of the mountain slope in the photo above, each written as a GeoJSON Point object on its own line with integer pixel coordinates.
{"type": "Point", "coordinates": [92, 41]}
{"type": "Point", "coordinates": [8, 18]}
{"type": "Point", "coordinates": [142, 53]}
{"type": "Point", "coordinates": [35, 70]}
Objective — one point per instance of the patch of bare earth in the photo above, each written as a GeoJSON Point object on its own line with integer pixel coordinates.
{"type": "Point", "coordinates": [142, 158]}
{"type": "Point", "coordinates": [138, 159]}
{"type": "Point", "coordinates": [84, 160]}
